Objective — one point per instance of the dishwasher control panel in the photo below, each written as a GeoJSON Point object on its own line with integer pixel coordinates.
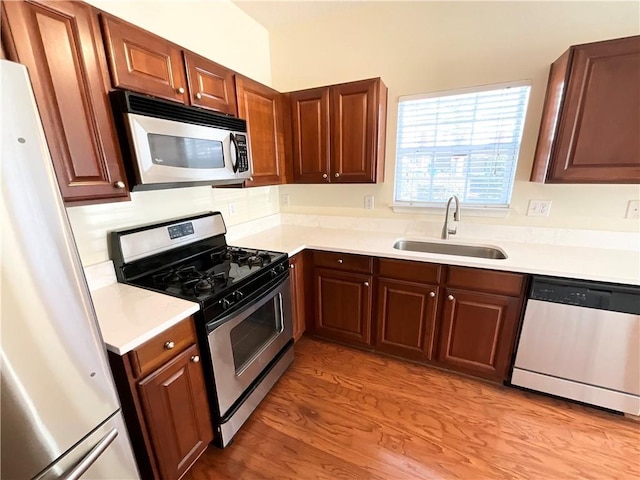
{"type": "Point", "coordinates": [603, 296]}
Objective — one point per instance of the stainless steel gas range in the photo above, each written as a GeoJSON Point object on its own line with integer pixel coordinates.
{"type": "Point", "coordinates": [244, 324]}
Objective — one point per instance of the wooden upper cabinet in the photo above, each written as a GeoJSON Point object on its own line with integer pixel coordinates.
{"type": "Point", "coordinates": [339, 133]}
{"type": "Point", "coordinates": [61, 45]}
{"type": "Point", "coordinates": [144, 62]}
{"type": "Point", "coordinates": [357, 138]}
{"type": "Point", "coordinates": [591, 116]}
{"type": "Point", "coordinates": [263, 109]}
{"type": "Point", "coordinates": [210, 85]}
{"type": "Point", "coordinates": [310, 135]}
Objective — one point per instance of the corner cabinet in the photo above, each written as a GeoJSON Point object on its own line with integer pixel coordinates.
{"type": "Point", "coordinates": [298, 272]}
{"type": "Point", "coordinates": [164, 402]}
{"type": "Point", "coordinates": [591, 116]}
{"type": "Point", "coordinates": [480, 315]}
{"type": "Point", "coordinates": [146, 63]}
{"type": "Point", "coordinates": [343, 297]}
{"type": "Point", "coordinates": [61, 45]}
{"type": "Point", "coordinates": [338, 133]}
{"type": "Point", "coordinates": [263, 109]}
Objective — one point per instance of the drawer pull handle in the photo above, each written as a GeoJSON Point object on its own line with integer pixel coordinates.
{"type": "Point", "coordinates": [169, 345]}
{"type": "Point", "coordinates": [432, 294]}
{"type": "Point", "coordinates": [340, 260]}
{"type": "Point", "coordinates": [180, 90]}
{"type": "Point", "coordinates": [195, 359]}
{"type": "Point", "coordinates": [366, 284]}
{"type": "Point", "coordinates": [451, 297]}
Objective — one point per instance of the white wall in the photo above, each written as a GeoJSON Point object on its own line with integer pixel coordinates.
{"type": "Point", "coordinates": [222, 32]}
{"type": "Point", "coordinates": [430, 46]}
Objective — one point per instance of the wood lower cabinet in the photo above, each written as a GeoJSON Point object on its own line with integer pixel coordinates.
{"type": "Point", "coordinates": [172, 399]}
{"type": "Point", "coordinates": [477, 332]}
{"type": "Point", "coordinates": [164, 402]}
{"type": "Point", "coordinates": [591, 116]}
{"type": "Point", "coordinates": [338, 133]}
{"type": "Point", "coordinates": [263, 109]}
{"type": "Point", "coordinates": [343, 305]}
{"type": "Point", "coordinates": [146, 63]}
{"type": "Point", "coordinates": [298, 271]}
{"type": "Point", "coordinates": [61, 45]}
{"type": "Point", "coordinates": [406, 318]}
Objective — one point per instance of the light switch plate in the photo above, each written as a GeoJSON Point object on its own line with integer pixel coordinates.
{"type": "Point", "coordinates": [633, 209]}
{"type": "Point", "coordinates": [232, 209]}
{"type": "Point", "coordinates": [369, 202]}
{"type": "Point", "coordinates": [285, 199]}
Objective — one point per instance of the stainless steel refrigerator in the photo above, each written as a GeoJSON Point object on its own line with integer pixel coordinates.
{"type": "Point", "coordinates": [60, 413]}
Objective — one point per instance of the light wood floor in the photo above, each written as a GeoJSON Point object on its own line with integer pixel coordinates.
{"type": "Point", "coordinates": [340, 413]}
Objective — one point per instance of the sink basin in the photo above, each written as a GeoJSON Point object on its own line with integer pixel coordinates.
{"type": "Point", "coordinates": [478, 251]}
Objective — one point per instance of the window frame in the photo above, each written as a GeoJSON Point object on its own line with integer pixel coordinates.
{"type": "Point", "coordinates": [490, 210]}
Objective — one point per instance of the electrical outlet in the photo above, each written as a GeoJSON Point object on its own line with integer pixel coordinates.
{"type": "Point", "coordinates": [285, 200]}
{"type": "Point", "coordinates": [633, 209]}
{"type": "Point", "coordinates": [539, 208]}
{"type": "Point", "coordinates": [232, 209]}
{"type": "Point", "coordinates": [369, 202]}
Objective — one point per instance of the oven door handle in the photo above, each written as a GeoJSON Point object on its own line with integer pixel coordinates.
{"type": "Point", "coordinates": [252, 306]}
{"type": "Point", "coordinates": [280, 312]}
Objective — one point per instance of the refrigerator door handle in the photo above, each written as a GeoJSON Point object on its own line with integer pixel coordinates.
{"type": "Point", "coordinates": [91, 457]}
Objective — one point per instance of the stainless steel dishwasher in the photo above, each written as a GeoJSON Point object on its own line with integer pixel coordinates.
{"type": "Point", "coordinates": [581, 340]}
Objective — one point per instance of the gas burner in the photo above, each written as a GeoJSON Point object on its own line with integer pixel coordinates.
{"type": "Point", "coordinates": [255, 261]}
{"type": "Point", "coordinates": [203, 286]}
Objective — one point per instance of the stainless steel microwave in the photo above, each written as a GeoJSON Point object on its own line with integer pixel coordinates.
{"type": "Point", "coordinates": [171, 145]}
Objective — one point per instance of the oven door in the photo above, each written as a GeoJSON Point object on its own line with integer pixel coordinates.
{"type": "Point", "coordinates": [244, 342]}
{"type": "Point", "coordinates": [166, 151]}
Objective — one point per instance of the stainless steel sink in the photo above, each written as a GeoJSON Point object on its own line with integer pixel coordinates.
{"type": "Point", "coordinates": [478, 251]}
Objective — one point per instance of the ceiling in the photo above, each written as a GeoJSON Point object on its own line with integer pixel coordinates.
{"type": "Point", "coordinates": [274, 14]}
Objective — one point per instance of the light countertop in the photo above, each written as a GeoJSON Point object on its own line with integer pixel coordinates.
{"type": "Point", "coordinates": [580, 262]}
{"type": "Point", "coordinates": [129, 316]}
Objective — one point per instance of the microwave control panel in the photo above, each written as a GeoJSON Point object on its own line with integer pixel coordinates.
{"type": "Point", "coordinates": [242, 162]}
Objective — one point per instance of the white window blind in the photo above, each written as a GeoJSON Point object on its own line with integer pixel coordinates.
{"type": "Point", "coordinates": [460, 143]}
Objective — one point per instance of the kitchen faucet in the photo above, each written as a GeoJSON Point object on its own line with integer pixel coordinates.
{"type": "Point", "coordinates": [446, 231]}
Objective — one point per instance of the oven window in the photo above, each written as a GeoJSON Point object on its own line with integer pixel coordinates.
{"type": "Point", "coordinates": [185, 152]}
{"type": "Point", "coordinates": [254, 333]}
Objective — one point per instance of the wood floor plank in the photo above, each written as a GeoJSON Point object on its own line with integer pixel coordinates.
{"type": "Point", "coordinates": [341, 413]}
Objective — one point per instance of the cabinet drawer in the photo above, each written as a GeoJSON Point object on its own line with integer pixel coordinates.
{"type": "Point", "coordinates": [407, 270]}
{"type": "Point", "coordinates": [157, 351]}
{"type": "Point", "coordinates": [488, 281]}
{"type": "Point", "coordinates": [343, 261]}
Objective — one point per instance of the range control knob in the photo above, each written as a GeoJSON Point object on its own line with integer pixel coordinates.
{"type": "Point", "coordinates": [273, 273]}
{"type": "Point", "coordinates": [281, 268]}
{"type": "Point", "coordinates": [238, 295]}
{"type": "Point", "coordinates": [226, 303]}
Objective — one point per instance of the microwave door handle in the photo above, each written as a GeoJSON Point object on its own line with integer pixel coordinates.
{"type": "Point", "coordinates": [234, 155]}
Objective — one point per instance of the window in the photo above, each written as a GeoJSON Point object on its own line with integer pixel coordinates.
{"type": "Point", "coordinates": [463, 142]}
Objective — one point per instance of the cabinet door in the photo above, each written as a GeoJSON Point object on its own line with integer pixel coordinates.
{"type": "Point", "coordinates": [477, 332]}
{"type": "Point", "coordinates": [310, 132]}
{"type": "Point", "coordinates": [143, 62]}
{"type": "Point", "coordinates": [176, 411]}
{"type": "Point", "coordinates": [597, 133]}
{"type": "Point", "coordinates": [406, 318]}
{"type": "Point", "coordinates": [343, 306]}
{"type": "Point", "coordinates": [296, 269]}
{"type": "Point", "coordinates": [354, 132]}
{"type": "Point", "coordinates": [262, 108]}
{"type": "Point", "coordinates": [60, 44]}
{"type": "Point", "coordinates": [210, 85]}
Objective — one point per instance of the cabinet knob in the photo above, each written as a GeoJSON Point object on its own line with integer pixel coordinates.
{"type": "Point", "coordinates": [198, 95]}
{"type": "Point", "coordinates": [432, 294]}
{"type": "Point", "coordinates": [195, 359]}
{"type": "Point", "coordinates": [180, 90]}
{"type": "Point", "coordinates": [366, 284]}
{"type": "Point", "coordinates": [337, 175]}
{"type": "Point", "coordinates": [292, 266]}
{"type": "Point", "coordinates": [451, 297]}
{"type": "Point", "coordinates": [324, 175]}
{"type": "Point", "coordinates": [119, 184]}
{"type": "Point", "coordinates": [169, 345]}
{"type": "Point", "coordinates": [340, 260]}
